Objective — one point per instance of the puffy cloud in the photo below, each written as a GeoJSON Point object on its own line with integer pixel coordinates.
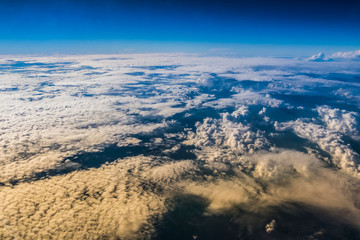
{"type": "Point", "coordinates": [228, 132]}
{"type": "Point", "coordinates": [340, 120]}
{"type": "Point", "coordinates": [330, 141]}
{"type": "Point", "coordinates": [320, 57]}
{"type": "Point", "coordinates": [347, 55]}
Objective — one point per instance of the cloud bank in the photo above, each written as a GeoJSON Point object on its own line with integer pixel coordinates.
{"type": "Point", "coordinates": [104, 146]}
{"type": "Point", "coordinates": [338, 56]}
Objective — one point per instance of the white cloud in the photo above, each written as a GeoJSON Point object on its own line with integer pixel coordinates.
{"type": "Point", "coordinates": [328, 140]}
{"type": "Point", "coordinates": [60, 106]}
{"type": "Point", "coordinates": [340, 120]}
{"type": "Point", "coordinates": [347, 55]}
{"type": "Point", "coordinates": [228, 132]}
{"type": "Point", "coordinates": [320, 57]}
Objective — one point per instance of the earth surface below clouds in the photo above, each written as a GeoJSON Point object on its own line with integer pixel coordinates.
{"type": "Point", "coordinates": [178, 146]}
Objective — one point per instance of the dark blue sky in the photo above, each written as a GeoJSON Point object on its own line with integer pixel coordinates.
{"type": "Point", "coordinates": [219, 23]}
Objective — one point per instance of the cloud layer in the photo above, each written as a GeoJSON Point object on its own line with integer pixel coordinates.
{"type": "Point", "coordinates": [103, 146]}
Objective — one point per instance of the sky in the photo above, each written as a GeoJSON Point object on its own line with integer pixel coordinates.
{"type": "Point", "coordinates": [173, 25]}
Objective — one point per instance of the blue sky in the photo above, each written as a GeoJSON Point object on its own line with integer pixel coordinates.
{"type": "Point", "coordinates": [138, 25]}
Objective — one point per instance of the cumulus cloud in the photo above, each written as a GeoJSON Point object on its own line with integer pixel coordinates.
{"type": "Point", "coordinates": [228, 132]}
{"type": "Point", "coordinates": [340, 120]}
{"type": "Point", "coordinates": [320, 57]}
{"type": "Point", "coordinates": [330, 141]}
{"type": "Point", "coordinates": [347, 55]}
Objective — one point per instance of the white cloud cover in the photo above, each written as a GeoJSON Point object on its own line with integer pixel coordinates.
{"type": "Point", "coordinates": [56, 107]}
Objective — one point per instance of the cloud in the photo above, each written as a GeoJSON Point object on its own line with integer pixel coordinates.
{"type": "Point", "coordinates": [340, 120]}
{"type": "Point", "coordinates": [206, 124]}
{"type": "Point", "coordinates": [52, 110]}
{"type": "Point", "coordinates": [125, 199]}
{"type": "Point", "coordinates": [228, 132]}
{"type": "Point", "coordinates": [320, 57]}
{"type": "Point", "coordinates": [346, 55]}
{"type": "Point", "coordinates": [330, 141]}
{"type": "Point", "coordinates": [270, 227]}
{"type": "Point", "coordinates": [119, 200]}
{"type": "Point", "coordinates": [279, 179]}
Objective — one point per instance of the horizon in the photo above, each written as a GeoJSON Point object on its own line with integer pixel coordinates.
{"type": "Point", "coordinates": [40, 48]}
